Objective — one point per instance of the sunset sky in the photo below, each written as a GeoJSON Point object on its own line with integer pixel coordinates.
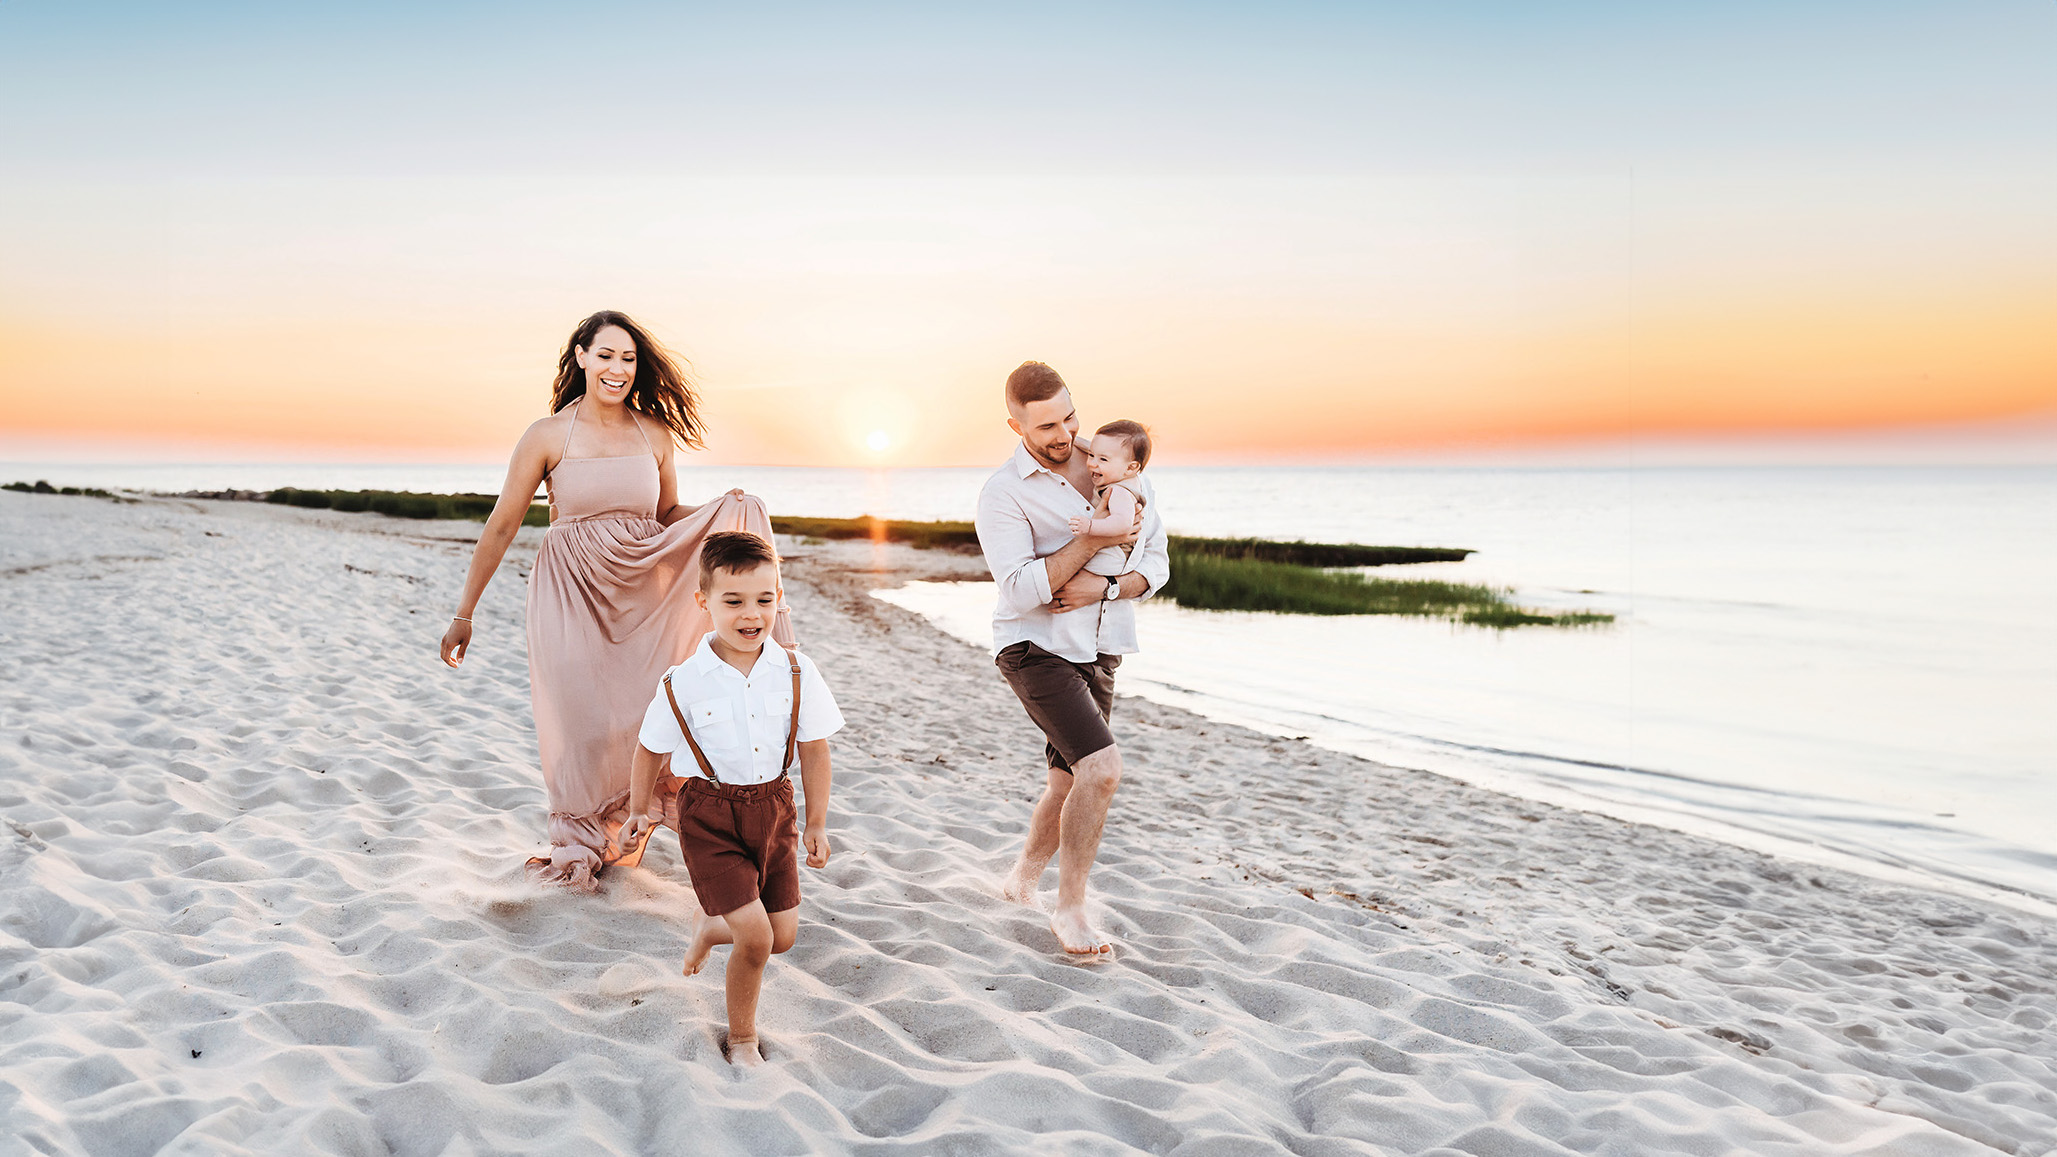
{"type": "Point", "coordinates": [1300, 232]}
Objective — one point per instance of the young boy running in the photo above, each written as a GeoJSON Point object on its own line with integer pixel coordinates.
{"type": "Point", "coordinates": [744, 711]}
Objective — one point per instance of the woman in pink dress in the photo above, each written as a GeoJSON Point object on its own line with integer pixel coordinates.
{"type": "Point", "coordinates": [610, 603]}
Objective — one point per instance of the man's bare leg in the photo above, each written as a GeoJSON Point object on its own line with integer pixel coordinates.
{"type": "Point", "coordinates": [1021, 882]}
{"type": "Point", "coordinates": [1084, 815]}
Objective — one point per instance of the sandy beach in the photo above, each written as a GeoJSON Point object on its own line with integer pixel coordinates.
{"type": "Point", "coordinates": [261, 892]}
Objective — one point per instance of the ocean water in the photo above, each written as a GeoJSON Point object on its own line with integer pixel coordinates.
{"type": "Point", "coordinates": [1856, 664]}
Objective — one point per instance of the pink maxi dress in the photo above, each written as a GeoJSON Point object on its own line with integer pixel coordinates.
{"type": "Point", "coordinates": [610, 609]}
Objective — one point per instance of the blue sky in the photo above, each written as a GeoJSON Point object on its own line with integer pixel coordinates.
{"type": "Point", "coordinates": [1135, 89]}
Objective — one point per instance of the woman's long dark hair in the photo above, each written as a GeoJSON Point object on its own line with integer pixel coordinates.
{"type": "Point", "coordinates": [661, 390]}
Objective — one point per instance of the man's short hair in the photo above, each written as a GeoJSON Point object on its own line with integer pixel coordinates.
{"type": "Point", "coordinates": [1135, 434]}
{"type": "Point", "coordinates": [1032, 382]}
{"type": "Point", "coordinates": [734, 551]}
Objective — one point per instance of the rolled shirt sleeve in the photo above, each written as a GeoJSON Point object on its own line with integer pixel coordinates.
{"type": "Point", "coordinates": [1010, 548]}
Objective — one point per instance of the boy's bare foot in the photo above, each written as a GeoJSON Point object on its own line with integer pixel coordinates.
{"type": "Point", "coordinates": [702, 946]}
{"type": "Point", "coordinates": [743, 1052]}
{"type": "Point", "coordinates": [1021, 890]}
{"type": "Point", "coordinates": [1078, 937]}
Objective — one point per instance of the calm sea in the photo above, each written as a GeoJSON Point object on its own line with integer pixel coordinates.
{"type": "Point", "coordinates": [1853, 664]}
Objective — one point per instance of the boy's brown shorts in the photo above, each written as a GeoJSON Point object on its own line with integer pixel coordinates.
{"type": "Point", "coordinates": [741, 843]}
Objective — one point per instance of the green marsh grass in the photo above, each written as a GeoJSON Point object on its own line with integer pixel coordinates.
{"type": "Point", "coordinates": [920, 535]}
{"type": "Point", "coordinates": [1212, 582]}
{"type": "Point", "coordinates": [1315, 554]}
{"type": "Point", "coordinates": [1214, 574]}
{"type": "Point", "coordinates": [42, 487]}
{"type": "Point", "coordinates": [403, 504]}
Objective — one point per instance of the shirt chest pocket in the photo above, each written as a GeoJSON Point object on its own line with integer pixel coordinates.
{"type": "Point", "coordinates": [713, 720]}
{"type": "Point", "coordinates": [778, 711]}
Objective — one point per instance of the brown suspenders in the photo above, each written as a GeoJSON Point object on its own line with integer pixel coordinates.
{"type": "Point", "coordinates": [792, 726]}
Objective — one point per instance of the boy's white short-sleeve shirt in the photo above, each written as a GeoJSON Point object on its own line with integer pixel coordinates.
{"type": "Point", "coordinates": [739, 720]}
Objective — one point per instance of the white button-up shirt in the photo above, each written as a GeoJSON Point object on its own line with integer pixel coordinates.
{"type": "Point", "coordinates": [1024, 516]}
{"type": "Point", "coordinates": [739, 720]}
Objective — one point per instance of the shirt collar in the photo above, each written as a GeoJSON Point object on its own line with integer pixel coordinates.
{"type": "Point", "coordinates": [1025, 463]}
{"type": "Point", "coordinates": [704, 661]}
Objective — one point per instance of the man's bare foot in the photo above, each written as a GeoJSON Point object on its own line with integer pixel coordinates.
{"type": "Point", "coordinates": [1078, 937]}
{"type": "Point", "coordinates": [1020, 889]}
{"type": "Point", "coordinates": [743, 1052]}
{"type": "Point", "coordinates": [702, 946]}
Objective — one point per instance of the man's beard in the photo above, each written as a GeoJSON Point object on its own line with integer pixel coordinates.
{"type": "Point", "coordinates": [1051, 453]}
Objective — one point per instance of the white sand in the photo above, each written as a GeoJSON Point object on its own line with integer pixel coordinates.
{"type": "Point", "coordinates": [261, 891]}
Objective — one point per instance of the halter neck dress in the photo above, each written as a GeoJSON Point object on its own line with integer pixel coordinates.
{"type": "Point", "coordinates": [610, 609]}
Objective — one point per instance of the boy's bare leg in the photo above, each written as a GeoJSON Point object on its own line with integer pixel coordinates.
{"type": "Point", "coordinates": [1022, 881]}
{"type": "Point", "coordinates": [1084, 815]}
{"type": "Point", "coordinates": [709, 933]}
{"type": "Point", "coordinates": [751, 932]}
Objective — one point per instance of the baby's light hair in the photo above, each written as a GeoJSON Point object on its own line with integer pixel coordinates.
{"type": "Point", "coordinates": [1135, 434]}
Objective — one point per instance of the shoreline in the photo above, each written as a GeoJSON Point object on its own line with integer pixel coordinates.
{"type": "Point", "coordinates": [804, 531]}
{"type": "Point", "coordinates": [927, 537]}
{"type": "Point", "coordinates": [263, 826]}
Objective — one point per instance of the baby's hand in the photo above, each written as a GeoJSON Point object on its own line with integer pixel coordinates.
{"type": "Point", "coordinates": [817, 839]}
{"type": "Point", "coordinates": [1079, 528]}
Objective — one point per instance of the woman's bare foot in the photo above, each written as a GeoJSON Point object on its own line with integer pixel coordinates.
{"type": "Point", "coordinates": [1079, 937]}
{"type": "Point", "coordinates": [703, 945]}
{"type": "Point", "coordinates": [1020, 889]}
{"type": "Point", "coordinates": [743, 1052]}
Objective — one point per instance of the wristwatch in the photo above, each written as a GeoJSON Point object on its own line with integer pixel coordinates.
{"type": "Point", "coordinates": [1113, 590]}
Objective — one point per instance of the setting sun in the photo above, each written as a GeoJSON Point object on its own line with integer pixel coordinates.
{"type": "Point", "coordinates": [877, 441]}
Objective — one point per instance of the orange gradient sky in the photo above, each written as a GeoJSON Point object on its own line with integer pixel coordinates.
{"type": "Point", "coordinates": [303, 263]}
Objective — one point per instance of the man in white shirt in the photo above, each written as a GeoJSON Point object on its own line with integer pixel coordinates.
{"type": "Point", "coordinates": [1045, 637]}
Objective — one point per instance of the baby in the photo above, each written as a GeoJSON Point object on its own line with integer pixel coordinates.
{"type": "Point", "coordinates": [1117, 453]}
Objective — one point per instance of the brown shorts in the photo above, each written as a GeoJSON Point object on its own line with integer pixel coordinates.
{"type": "Point", "coordinates": [1070, 702]}
{"type": "Point", "coordinates": [741, 843]}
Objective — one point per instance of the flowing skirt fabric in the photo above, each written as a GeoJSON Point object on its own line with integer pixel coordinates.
{"type": "Point", "coordinates": [610, 609]}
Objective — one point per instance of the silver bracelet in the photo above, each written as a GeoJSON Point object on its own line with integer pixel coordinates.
{"type": "Point", "coordinates": [459, 619]}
